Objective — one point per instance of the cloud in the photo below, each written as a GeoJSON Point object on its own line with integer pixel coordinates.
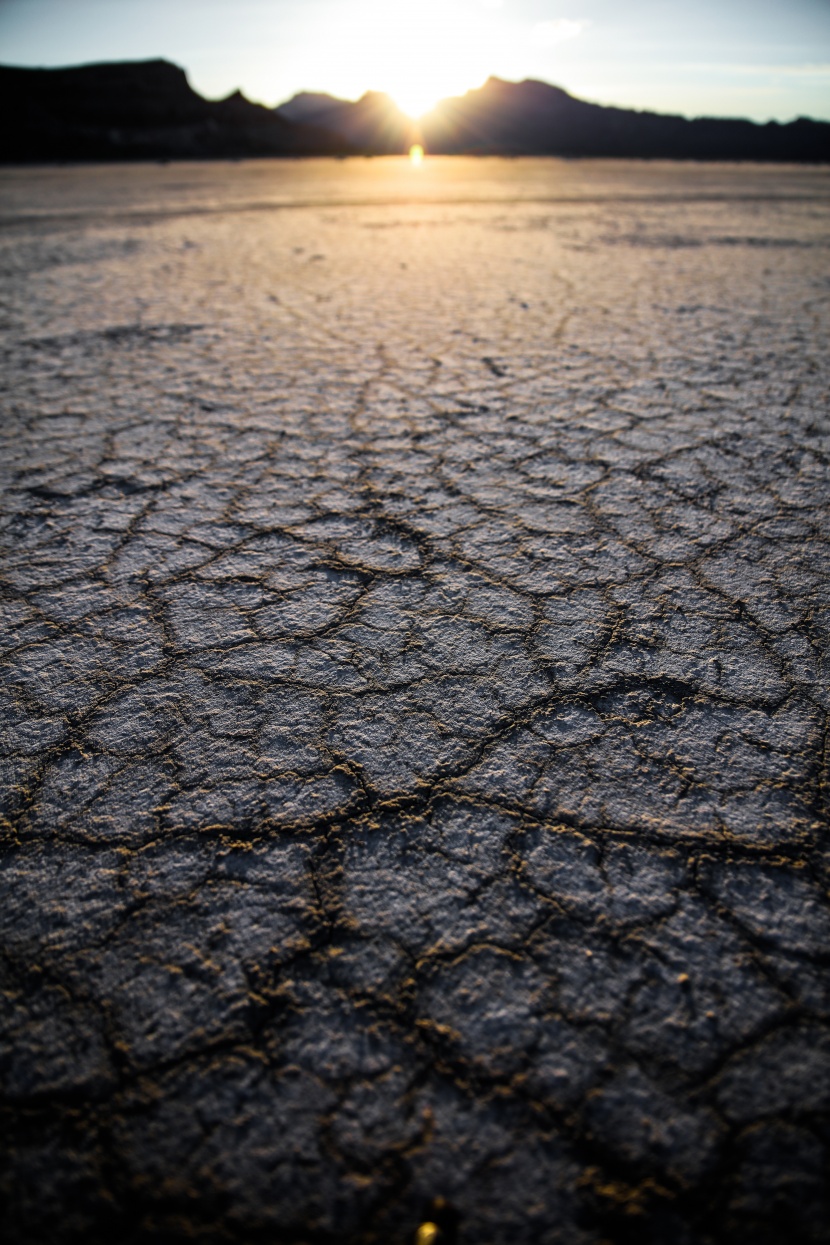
{"type": "Point", "coordinates": [549, 34]}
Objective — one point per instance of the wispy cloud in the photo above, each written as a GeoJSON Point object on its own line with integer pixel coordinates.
{"type": "Point", "coordinates": [549, 34]}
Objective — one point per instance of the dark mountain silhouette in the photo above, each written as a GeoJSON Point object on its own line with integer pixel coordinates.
{"type": "Point", "coordinates": [533, 118]}
{"type": "Point", "coordinates": [139, 110]}
{"type": "Point", "coordinates": [309, 104]}
{"type": "Point", "coordinates": [374, 123]}
{"type": "Point", "coordinates": [147, 110]}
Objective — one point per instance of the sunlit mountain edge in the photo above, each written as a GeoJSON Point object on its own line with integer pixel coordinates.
{"type": "Point", "coordinates": [536, 118]}
{"type": "Point", "coordinates": [147, 109]}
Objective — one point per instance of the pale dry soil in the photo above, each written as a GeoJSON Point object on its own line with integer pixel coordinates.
{"type": "Point", "coordinates": [415, 610]}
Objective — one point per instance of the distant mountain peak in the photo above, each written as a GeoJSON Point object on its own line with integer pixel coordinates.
{"type": "Point", "coordinates": [373, 123]}
{"type": "Point", "coordinates": [128, 110]}
{"type": "Point", "coordinates": [147, 109]}
{"type": "Point", "coordinates": [306, 105]}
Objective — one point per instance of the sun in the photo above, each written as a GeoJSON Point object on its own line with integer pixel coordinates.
{"type": "Point", "coordinates": [420, 51]}
{"type": "Point", "coordinates": [417, 91]}
{"type": "Point", "coordinates": [416, 96]}
{"type": "Point", "coordinates": [417, 52]}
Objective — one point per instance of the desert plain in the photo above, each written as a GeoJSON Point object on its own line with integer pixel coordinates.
{"type": "Point", "coordinates": [416, 605]}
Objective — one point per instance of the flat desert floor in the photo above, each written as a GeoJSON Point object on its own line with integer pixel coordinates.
{"type": "Point", "coordinates": [416, 608]}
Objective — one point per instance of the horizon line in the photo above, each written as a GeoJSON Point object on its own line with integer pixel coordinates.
{"type": "Point", "coordinates": [342, 99]}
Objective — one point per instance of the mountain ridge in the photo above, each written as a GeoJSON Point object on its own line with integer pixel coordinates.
{"type": "Point", "coordinates": [133, 110]}
{"type": "Point", "coordinates": [537, 118]}
{"type": "Point", "coordinates": [374, 123]}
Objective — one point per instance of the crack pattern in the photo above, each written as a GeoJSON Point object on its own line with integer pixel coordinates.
{"type": "Point", "coordinates": [415, 708]}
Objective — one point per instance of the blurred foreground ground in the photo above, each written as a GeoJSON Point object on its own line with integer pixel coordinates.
{"type": "Point", "coordinates": [416, 610]}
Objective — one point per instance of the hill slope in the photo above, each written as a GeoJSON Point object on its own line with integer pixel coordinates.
{"type": "Point", "coordinates": [138, 110]}
{"type": "Point", "coordinates": [374, 123]}
{"type": "Point", "coordinates": [148, 110]}
{"type": "Point", "coordinates": [534, 118]}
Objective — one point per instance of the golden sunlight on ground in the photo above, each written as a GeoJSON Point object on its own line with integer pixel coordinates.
{"type": "Point", "coordinates": [416, 154]}
{"type": "Point", "coordinates": [455, 507]}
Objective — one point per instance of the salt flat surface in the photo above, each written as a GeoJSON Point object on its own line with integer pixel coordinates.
{"type": "Point", "coordinates": [416, 611]}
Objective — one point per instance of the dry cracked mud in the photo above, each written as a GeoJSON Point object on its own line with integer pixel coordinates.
{"type": "Point", "coordinates": [415, 703]}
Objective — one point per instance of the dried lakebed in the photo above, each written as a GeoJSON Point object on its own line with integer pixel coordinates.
{"type": "Point", "coordinates": [415, 703]}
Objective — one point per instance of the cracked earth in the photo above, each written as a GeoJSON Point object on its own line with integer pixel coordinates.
{"type": "Point", "coordinates": [415, 703]}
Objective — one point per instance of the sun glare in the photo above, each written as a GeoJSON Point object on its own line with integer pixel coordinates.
{"type": "Point", "coordinates": [421, 51]}
{"type": "Point", "coordinates": [415, 98]}
{"type": "Point", "coordinates": [417, 93]}
{"type": "Point", "coordinates": [416, 154]}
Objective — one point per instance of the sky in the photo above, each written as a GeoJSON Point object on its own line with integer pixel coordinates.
{"type": "Point", "coordinates": [765, 59]}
